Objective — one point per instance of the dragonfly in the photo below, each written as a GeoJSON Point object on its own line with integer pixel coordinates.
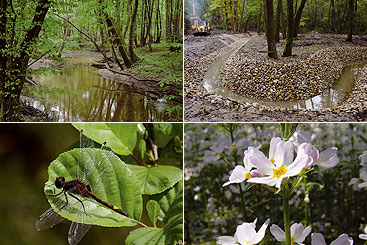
{"type": "Point", "coordinates": [75, 190]}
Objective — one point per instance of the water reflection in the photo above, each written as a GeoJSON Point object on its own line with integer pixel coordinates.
{"type": "Point", "coordinates": [87, 96]}
{"type": "Point", "coordinates": [330, 98]}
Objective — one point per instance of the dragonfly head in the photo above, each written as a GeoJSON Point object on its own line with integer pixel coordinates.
{"type": "Point", "coordinates": [60, 182]}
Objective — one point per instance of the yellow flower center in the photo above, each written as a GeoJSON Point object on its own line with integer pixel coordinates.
{"type": "Point", "coordinates": [279, 172]}
{"type": "Point", "coordinates": [247, 242]}
{"type": "Point", "coordinates": [248, 175]}
{"type": "Point", "coordinates": [234, 145]}
{"type": "Point", "coordinates": [216, 153]}
{"type": "Point", "coordinates": [292, 240]}
{"type": "Point", "coordinates": [272, 160]}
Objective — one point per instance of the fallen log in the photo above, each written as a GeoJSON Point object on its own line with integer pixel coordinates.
{"type": "Point", "coordinates": [99, 65]}
{"type": "Point", "coordinates": [30, 81]}
{"type": "Point", "coordinates": [131, 75]}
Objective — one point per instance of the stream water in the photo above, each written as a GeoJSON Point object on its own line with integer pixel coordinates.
{"type": "Point", "coordinates": [329, 98]}
{"type": "Point", "coordinates": [79, 93]}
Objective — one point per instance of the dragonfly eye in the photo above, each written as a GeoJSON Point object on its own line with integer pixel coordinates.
{"type": "Point", "coordinates": [59, 182]}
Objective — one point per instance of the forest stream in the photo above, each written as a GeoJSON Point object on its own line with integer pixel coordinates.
{"type": "Point", "coordinates": [78, 93]}
{"type": "Point", "coordinates": [330, 98]}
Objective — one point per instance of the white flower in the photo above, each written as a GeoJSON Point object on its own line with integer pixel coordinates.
{"type": "Point", "coordinates": [326, 159]}
{"type": "Point", "coordinates": [241, 173]}
{"type": "Point", "coordinates": [298, 233]}
{"type": "Point", "coordinates": [362, 176]}
{"type": "Point", "coordinates": [220, 221]}
{"type": "Point", "coordinates": [318, 239]}
{"type": "Point", "coordinates": [363, 159]}
{"type": "Point", "coordinates": [280, 164]}
{"type": "Point", "coordinates": [238, 175]}
{"type": "Point", "coordinates": [354, 182]}
{"type": "Point", "coordinates": [213, 154]}
{"type": "Point", "coordinates": [363, 236]}
{"type": "Point", "coordinates": [245, 234]}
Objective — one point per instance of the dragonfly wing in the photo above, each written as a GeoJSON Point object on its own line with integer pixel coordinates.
{"type": "Point", "coordinates": [77, 232]}
{"type": "Point", "coordinates": [48, 220]}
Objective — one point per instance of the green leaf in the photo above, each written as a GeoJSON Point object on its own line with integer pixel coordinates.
{"type": "Point", "coordinates": [164, 132]}
{"type": "Point", "coordinates": [121, 137]}
{"type": "Point", "coordinates": [156, 179]}
{"type": "Point", "coordinates": [172, 233]}
{"type": "Point", "coordinates": [153, 211]}
{"type": "Point", "coordinates": [173, 150]}
{"type": "Point", "coordinates": [287, 130]}
{"type": "Point", "coordinates": [110, 180]}
{"type": "Point", "coordinates": [170, 202]}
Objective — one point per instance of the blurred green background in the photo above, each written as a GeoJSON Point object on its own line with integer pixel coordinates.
{"type": "Point", "coordinates": [26, 150]}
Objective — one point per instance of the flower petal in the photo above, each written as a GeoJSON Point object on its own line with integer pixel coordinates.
{"type": "Point", "coordinates": [343, 239]}
{"type": "Point", "coordinates": [303, 137]}
{"type": "Point", "coordinates": [273, 146]}
{"type": "Point", "coordinates": [245, 232]}
{"type": "Point", "coordinates": [296, 167]}
{"type": "Point", "coordinates": [247, 156]}
{"type": "Point", "coordinates": [269, 180]}
{"type": "Point", "coordinates": [278, 233]}
{"type": "Point", "coordinates": [363, 236]}
{"type": "Point", "coordinates": [328, 158]}
{"type": "Point", "coordinates": [284, 153]}
{"type": "Point", "coordinates": [317, 239]}
{"type": "Point", "coordinates": [226, 240]}
{"type": "Point", "coordinates": [296, 231]}
{"type": "Point", "coordinates": [260, 234]}
{"type": "Point", "coordinates": [238, 175]}
{"type": "Point", "coordinates": [262, 164]}
{"type": "Point", "coordinates": [305, 233]}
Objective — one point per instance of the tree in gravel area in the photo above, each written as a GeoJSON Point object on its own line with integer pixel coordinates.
{"type": "Point", "coordinates": [350, 20]}
{"type": "Point", "coordinates": [289, 35]}
{"type": "Point", "coordinates": [269, 26]}
{"type": "Point", "coordinates": [15, 50]}
{"type": "Point", "coordinates": [297, 18]}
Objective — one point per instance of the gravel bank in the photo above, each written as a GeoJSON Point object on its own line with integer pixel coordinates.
{"type": "Point", "coordinates": [203, 106]}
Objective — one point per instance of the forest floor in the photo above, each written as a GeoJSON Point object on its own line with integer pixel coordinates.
{"type": "Point", "coordinates": [201, 52]}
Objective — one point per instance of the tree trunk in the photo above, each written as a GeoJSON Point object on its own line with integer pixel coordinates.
{"type": "Point", "coordinates": [289, 35]}
{"type": "Point", "coordinates": [269, 25]}
{"type": "Point", "coordinates": [13, 69]}
{"type": "Point", "coordinates": [168, 21]}
{"type": "Point", "coordinates": [259, 20]}
{"type": "Point", "coordinates": [350, 20]}
{"type": "Point", "coordinates": [332, 16]}
{"type": "Point", "coordinates": [132, 37]}
{"type": "Point", "coordinates": [297, 19]}
{"type": "Point", "coordinates": [241, 18]}
{"type": "Point", "coordinates": [277, 21]}
{"type": "Point", "coordinates": [128, 17]}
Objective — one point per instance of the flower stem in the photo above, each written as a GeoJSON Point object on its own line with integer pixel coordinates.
{"type": "Point", "coordinates": [243, 203]}
{"type": "Point", "coordinates": [287, 214]}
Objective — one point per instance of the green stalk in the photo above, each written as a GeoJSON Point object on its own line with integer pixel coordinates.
{"type": "Point", "coordinates": [287, 214]}
{"type": "Point", "coordinates": [231, 129]}
{"type": "Point", "coordinates": [243, 203]}
{"type": "Point", "coordinates": [306, 204]}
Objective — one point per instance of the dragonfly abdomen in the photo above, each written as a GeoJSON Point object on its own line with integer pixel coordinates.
{"type": "Point", "coordinates": [109, 205]}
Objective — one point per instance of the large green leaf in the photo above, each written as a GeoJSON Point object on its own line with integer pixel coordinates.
{"type": "Point", "coordinates": [164, 132]}
{"type": "Point", "coordinates": [170, 202]}
{"type": "Point", "coordinates": [172, 233]}
{"type": "Point", "coordinates": [156, 179]}
{"type": "Point", "coordinates": [110, 180]}
{"type": "Point", "coordinates": [153, 211]}
{"type": "Point", "coordinates": [121, 136]}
